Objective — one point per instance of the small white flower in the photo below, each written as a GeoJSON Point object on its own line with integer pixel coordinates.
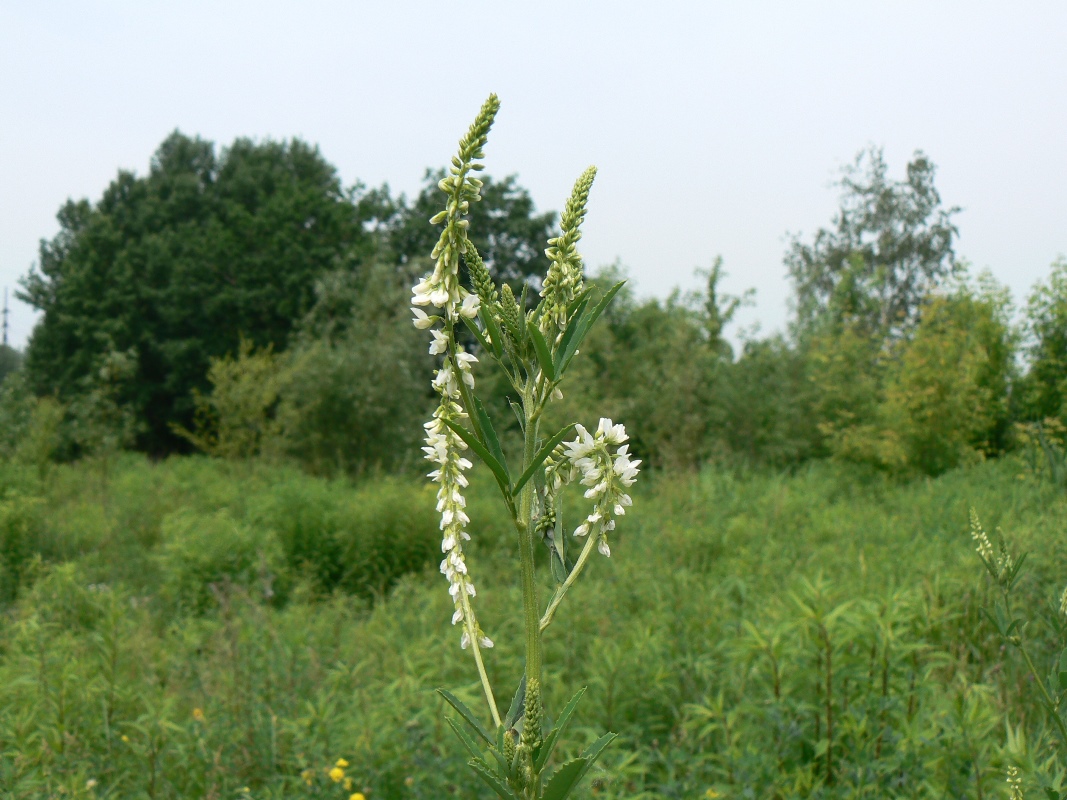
{"type": "Point", "coordinates": [485, 641]}
{"type": "Point", "coordinates": [420, 293]}
{"type": "Point", "coordinates": [464, 640]}
{"type": "Point", "coordinates": [602, 546]}
{"type": "Point", "coordinates": [470, 306]}
{"type": "Point", "coordinates": [440, 342]}
{"type": "Point", "coordinates": [421, 320]}
{"type": "Point", "coordinates": [457, 616]}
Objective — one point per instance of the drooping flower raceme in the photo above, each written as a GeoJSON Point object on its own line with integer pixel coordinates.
{"type": "Point", "coordinates": [607, 474]}
{"type": "Point", "coordinates": [444, 447]}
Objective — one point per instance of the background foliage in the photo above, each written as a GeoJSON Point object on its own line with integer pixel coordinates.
{"type": "Point", "coordinates": [789, 612]}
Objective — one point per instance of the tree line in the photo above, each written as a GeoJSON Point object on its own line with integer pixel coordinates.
{"type": "Point", "coordinates": [244, 302]}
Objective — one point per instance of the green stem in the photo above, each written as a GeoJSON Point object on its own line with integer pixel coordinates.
{"type": "Point", "coordinates": [1049, 702]}
{"type": "Point", "coordinates": [1048, 698]}
{"type": "Point", "coordinates": [525, 527]}
{"type": "Point", "coordinates": [579, 565]}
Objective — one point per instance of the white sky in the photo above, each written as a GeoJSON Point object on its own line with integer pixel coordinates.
{"type": "Point", "coordinates": [717, 127]}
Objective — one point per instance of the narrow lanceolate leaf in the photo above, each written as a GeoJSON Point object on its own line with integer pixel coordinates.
{"type": "Point", "coordinates": [574, 322]}
{"type": "Point", "coordinates": [492, 441]}
{"type": "Point", "coordinates": [464, 737]}
{"type": "Point", "coordinates": [571, 773]}
{"type": "Point", "coordinates": [539, 459]}
{"type": "Point", "coordinates": [564, 780]}
{"type": "Point", "coordinates": [516, 704]}
{"type": "Point", "coordinates": [466, 713]}
{"type": "Point", "coordinates": [549, 744]}
{"type": "Point", "coordinates": [592, 753]}
{"type": "Point", "coordinates": [585, 322]}
{"type": "Point", "coordinates": [579, 299]}
{"type": "Point", "coordinates": [500, 471]}
{"type": "Point", "coordinates": [477, 334]}
{"type": "Point", "coordinates": [496, 339]}
{"type": "Point", "coordinates": [491, 778]}
{"type": "Point", "coordinates": [544, 355]}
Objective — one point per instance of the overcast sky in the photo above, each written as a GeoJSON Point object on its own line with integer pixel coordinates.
{"type": "Point", "coordinates": [718, 128]}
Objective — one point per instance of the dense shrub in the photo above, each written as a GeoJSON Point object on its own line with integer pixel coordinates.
{"type": "Point", "coordinates": [358, 541]}
{"type": "Point", "coordinates": [204, 558]}
{"type": "Point", "coordinates": [20, 538]}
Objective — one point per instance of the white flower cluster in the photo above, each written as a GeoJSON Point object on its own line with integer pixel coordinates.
{"type": "Point", "coordinates": [606, 474]}
{"type": "Point", "coordinates": [984, 547]}
{"type": "Point", "coordinates": [442, 288]}
{"type": "Point", "coordinates": [444, 448]}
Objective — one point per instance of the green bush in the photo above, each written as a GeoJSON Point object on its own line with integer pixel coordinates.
{"type": "Point", "coordinates": [205, 558]}
{"type": "Point", "coordinates": [357, 540]}
{"type": "Point", "coordinates": [20, 538]}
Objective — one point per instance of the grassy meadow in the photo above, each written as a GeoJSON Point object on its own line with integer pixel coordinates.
{"type": "Point", "coordinates": [201, 628]}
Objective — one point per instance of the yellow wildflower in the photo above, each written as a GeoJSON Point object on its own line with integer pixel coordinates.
{"type": "Point", "coordinates": [125, 738]}
{"type": "Point", "coordinates": [711, 794]}
{"type": "Point", "coordinates": [357, 796]}
{"type": "Point", "coordinates": [198, 714]}
{"type": "Point", "coordinates": [336, 774]}
{"type": "Point", "coordinates": [342, 763]}
{"type": "Point", "coordinates": [308, 775]}
{"type": "Point", "coordinates": [348, 784]}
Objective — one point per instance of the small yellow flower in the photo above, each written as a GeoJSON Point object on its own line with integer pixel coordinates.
{"type": "Point", "coordinates": [342, 763]}
{"type": "Point", "coordinates": [357, 796]}
{"type": "Point", "coordinates": [198, 714]}
{"type": "Point", "coordinates": [336, 774]}
{"type": "Point", "coordinates": [348, 784]}
{"type": "Point", "coordinates": [711, 794]}
{"type": "Point", "coordinates": [308, 775]}
{"type": "Point", "coordinates": [125, 738]}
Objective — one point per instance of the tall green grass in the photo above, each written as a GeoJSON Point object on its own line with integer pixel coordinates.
{"type": "Point", "coordinates": [195, 629]}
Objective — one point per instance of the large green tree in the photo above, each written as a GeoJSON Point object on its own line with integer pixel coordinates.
{"type": "Point", "coordinates": [180, 264]}
{"type": "Point", "coordinates": [507, 229]}
{"type": "Point", "coordinates": [891, 241]}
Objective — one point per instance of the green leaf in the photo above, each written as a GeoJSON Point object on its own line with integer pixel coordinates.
{"type": "Point", "coordinates": [492, 441]}
{"type": "Point", "coordinates": [574, 323]}
{"type": "Point", "coordinates": [466, 713]}
{"type": "Point", "coordinates": [544, 355]}
{"type": "Point", "coordinates": [549, 744]}
{"type": "Point", "coordinates": [588, 318]}
{"type": "Point", "coordinates": [517, 409]}
{"type": "Point", "coordinates": [464, 737]}
{"type": "Point", "coordinates": [564, 780]}
{"type": "Point", "coordinates": [559, 569]}
{"type": "Point", "coordinates": [516, 703]}
{"type": "Point", "coordinates": [539, 459]}
{"type": "Point", "coordinates": [496, 340]}
{"type": "Point", "coordinates": [579, 299]}
{"type": "Point", "coordinates": [592, 753]}
{"type": "Point", "coordinates": [499, 470]}
{"type": "Point", "coordinates": [477, 334]}
{"type": "Point", "coordinates": [491, 778]}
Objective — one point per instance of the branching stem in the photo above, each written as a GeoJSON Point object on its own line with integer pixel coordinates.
{"type": "Point", "coordinates": [579, 565]}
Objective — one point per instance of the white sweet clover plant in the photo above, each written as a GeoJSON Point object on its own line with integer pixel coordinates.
{"type": "Point", "coordinates": [534, 349]}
